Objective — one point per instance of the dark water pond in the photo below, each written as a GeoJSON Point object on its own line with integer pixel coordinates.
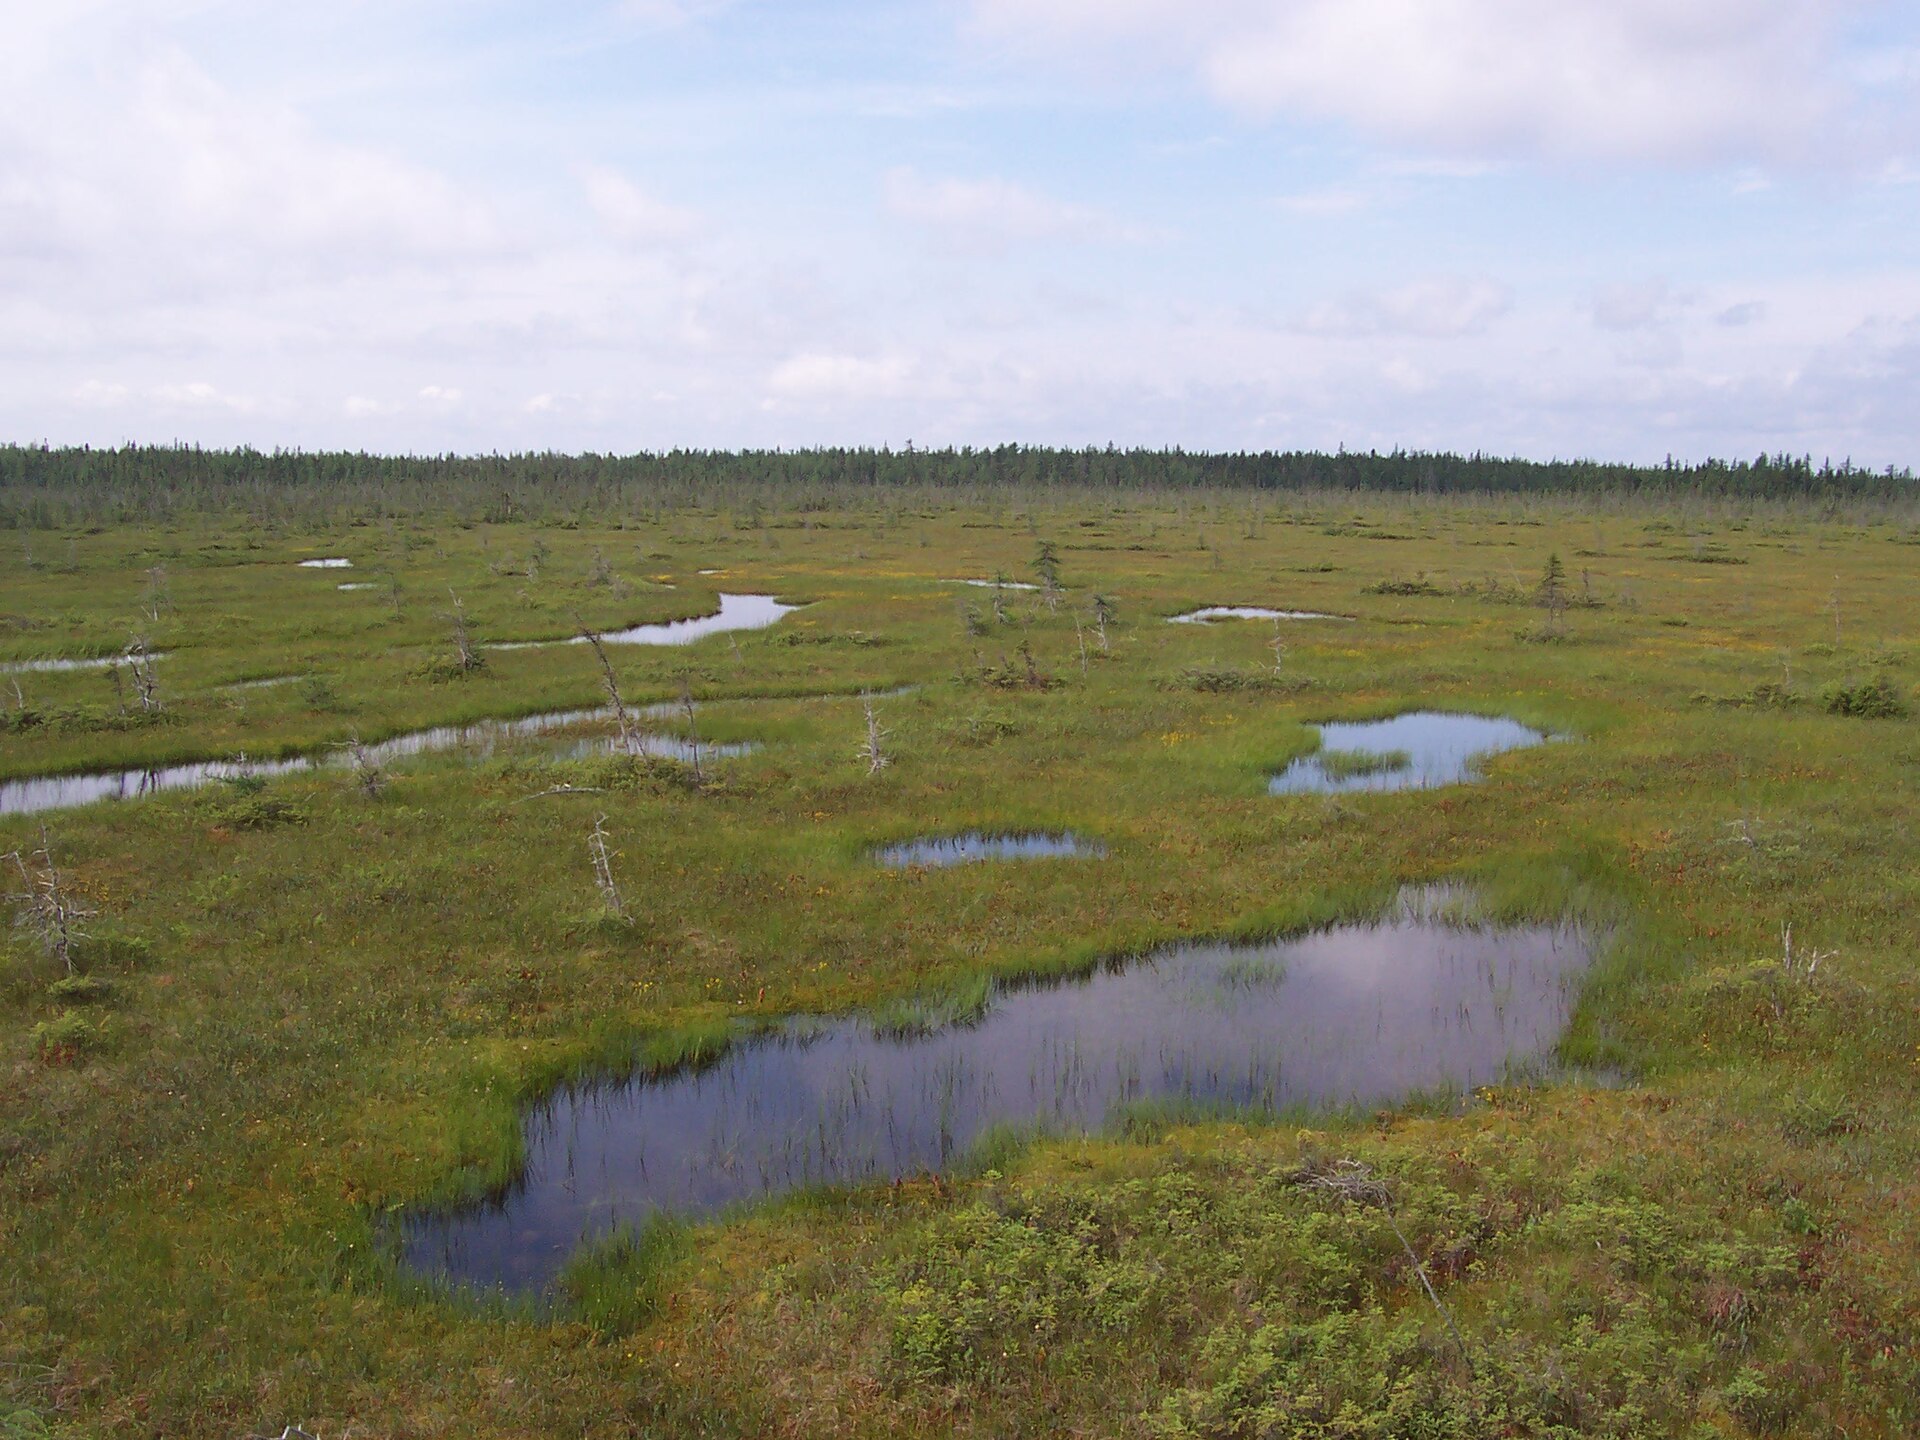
{"type": "Point", "coordinates": [1358, 1014]}
{"type": "Point", "coordinates": [1248, 612]}
{"type": "Point", "coordinates": [974, 846]}
{"type": "Point", "coordinates": [59, 792]}
{"type": "Point", "coordinates": [1421, 750]}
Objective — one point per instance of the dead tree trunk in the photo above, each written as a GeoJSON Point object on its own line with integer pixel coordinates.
{"type": "Point", "coordinates": [44, 903]}
{"type": "Point", "coordinates": [603, 869]}
{"type": "Point", "coordinates": [613, 690]}
{"type": "Point", "coordinates": [873, 748]}
{"type": "Point", "coordinates": [693, 729]}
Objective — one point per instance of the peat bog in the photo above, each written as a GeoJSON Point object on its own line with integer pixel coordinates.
{"type": "Point", "coordinates": [786, 1138]}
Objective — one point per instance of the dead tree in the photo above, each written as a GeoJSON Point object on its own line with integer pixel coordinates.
{"type": "Point", "coordinates": [603, 869]}
{"type": "Point", "coordinates": [146, 681]}
{"type": "Point", "coordinates": [157, 596]}
{"type": "Point", "coordinates": [466, 654]}
{"type": "Point", "coordinates": [367, 771]}
{"type": "Point", "coordinates": [1797, 967]}
{"type": "Point", "coordinates": [613, 690]}
{"type": "Point", "coordinates": [45, 905]}
{"type": "Point", "coordinates": [873, 748]}
{"type": "Point", "coordinates": [693, 729]}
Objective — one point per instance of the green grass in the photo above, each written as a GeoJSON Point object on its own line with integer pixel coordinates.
{"type": "Point", "coordinates": [1352, 764]}
{"type": "Point", "coordinates": [313, 1008]}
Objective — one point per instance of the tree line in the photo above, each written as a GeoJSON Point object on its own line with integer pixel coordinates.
{"type": "Point", "coordinates": [45, 486]}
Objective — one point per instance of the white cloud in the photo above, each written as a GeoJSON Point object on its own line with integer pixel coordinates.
{"type": "Point", "coordinates": [1702, 81]}
{"type": "Point", "coordinates": [99, 394]}
{"type": "Point", "coordinates": [200, 395]}
{"type": "Point", "coordinates": [1328, 202]}
{"type": "Point", "coordinates": [824, 377]}
{"type": "Point", "coordinates": [1636, 305]}
{"type": "Point", "coordinates": [991, 213]}
{"type": "Point", "coordinates": [629, 214]}
{"type": "Point", "coordinates": [149, 170]}
{"type": "Point", "coordinates": [1441, 307]}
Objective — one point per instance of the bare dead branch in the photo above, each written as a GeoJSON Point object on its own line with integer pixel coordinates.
{"type": "Point", "coordinates": [872, 749]}
{"type": "Point", "coordinates": [1354, 1182]}
{"type": "Point", "coordinates": [45, 905]}
{"type": "Point", "coordinates": [603, 869]}
{"type": "Point", "coordinates": [612, 687]}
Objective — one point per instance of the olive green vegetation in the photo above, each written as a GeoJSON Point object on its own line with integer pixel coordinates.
{"type": "Point", "coordinates": [311, 1006]}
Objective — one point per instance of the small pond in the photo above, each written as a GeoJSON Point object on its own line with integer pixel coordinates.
{"type": "Point", "coordinates": [58, 792]}
{"type": "Point", "coordinates": [1247, 612]}
{"type": "Point", "coordinates": [47, 667]}
{"type": "Point", "coordinates": [332, 562]}
{"type": "Point", "coordinates": [1354, 1015]}
{"type": "Point", "coordinates": [736, 612]}
{"type": "Point", "coordinates": [976, 845]}
{"type": "Point", "coordinates": [1416, 751]}
{"type": "Point", "coordinates": [264, 684]}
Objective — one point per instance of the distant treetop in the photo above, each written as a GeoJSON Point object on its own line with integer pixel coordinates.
{"type": "Point", "coordinates": [43, 486]}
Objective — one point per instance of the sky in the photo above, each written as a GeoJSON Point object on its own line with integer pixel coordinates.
{"type": "Point", "coordinates": [1622, 229]}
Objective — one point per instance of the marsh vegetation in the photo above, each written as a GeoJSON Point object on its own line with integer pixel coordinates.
{"type": "Point", "coordinates": [1641, 1165]}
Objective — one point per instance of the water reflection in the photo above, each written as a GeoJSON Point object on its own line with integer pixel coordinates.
{"type": "Point", "coordinates": [975, 846]}
{"type": "Point", "coordinates": [736, 612]}
{"type": "Point", "coordinates": [58, 792]}
{"type": "Point", "coordinates": [1425, 748]}
{"type": "Point", "coordinates": [1247, 612]}
{"type": "Point", "coordinates": [1358, 1014]}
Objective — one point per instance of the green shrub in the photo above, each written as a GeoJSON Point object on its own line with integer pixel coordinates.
{"type": "Point", "coordinates": [259, 812]}
{"type": "Point", "coordinates": [64, 1037]}
{"type": "Point", "coordinates": [1874, 699]}
{"type": "Point", "coordinates": [1419, 585]}
{"type": "Point", "coordinates": [79, 989]}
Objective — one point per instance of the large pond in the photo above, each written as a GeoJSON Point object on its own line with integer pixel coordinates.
{"type": "Point", "coordinates": [59, 792]}
{"type": "Point", "coordinates": [736, 612]}
{"type": "Point", "coordinates": [1416, 751]}
{"type": "Point", "coordinates": [976, 846]}
{"type": "Point", "coordinates": [1355, 1015]}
